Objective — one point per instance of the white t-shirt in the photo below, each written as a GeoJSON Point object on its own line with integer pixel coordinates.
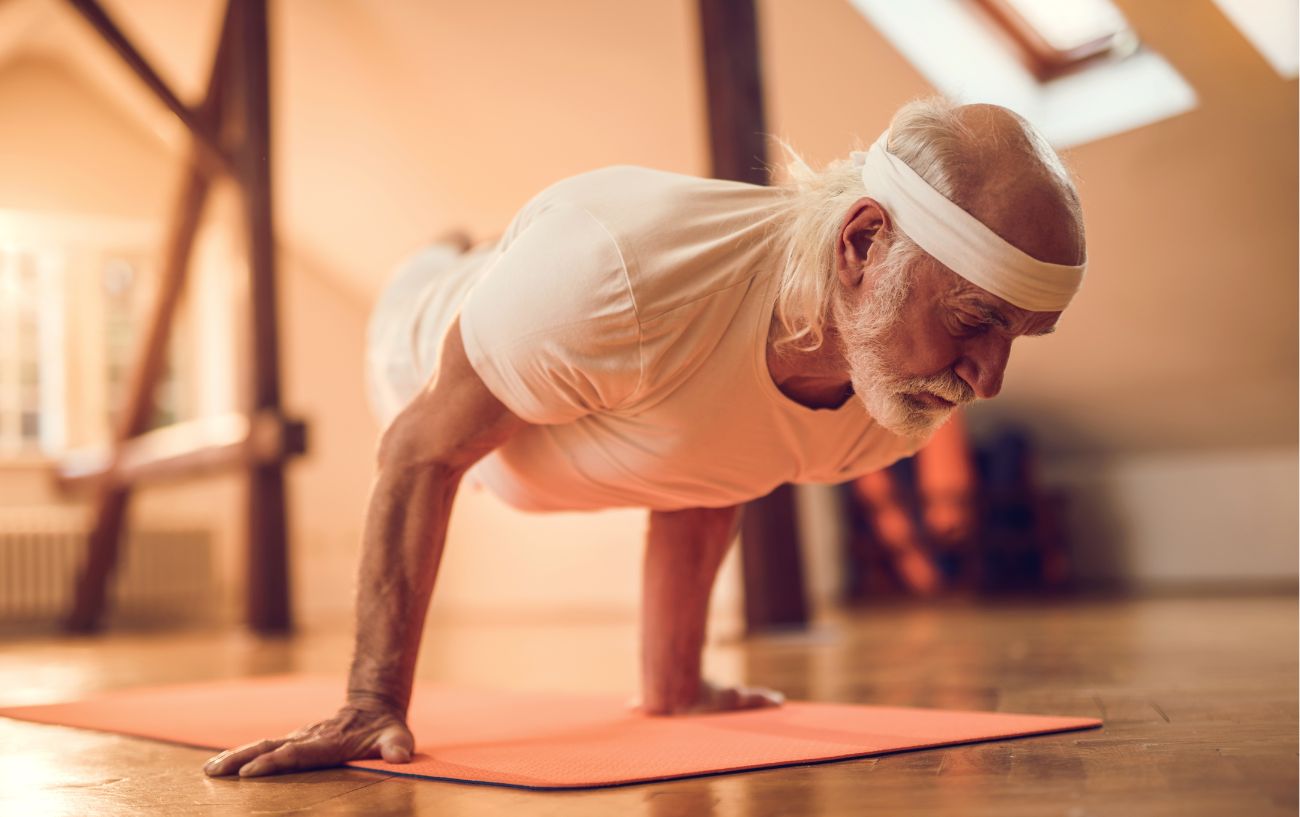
{"type": "Point", "coordinates": [624, 314]}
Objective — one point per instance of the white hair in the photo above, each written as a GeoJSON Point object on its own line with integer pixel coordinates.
{"type": "Point", "coordinates": [927, 135]}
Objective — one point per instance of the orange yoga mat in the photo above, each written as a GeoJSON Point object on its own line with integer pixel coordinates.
{"type": "Point", "coordinates": [543, 740]}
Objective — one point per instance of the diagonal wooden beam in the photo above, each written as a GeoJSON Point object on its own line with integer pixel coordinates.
{"type": "Point", "coordinates": [199, 126]}
{"type": "Point", "coordinates": [111, 501]}
{"type": "Point", "coordinates": [235, 111]}
{"type": "Point", "coordinates": [769, 537]}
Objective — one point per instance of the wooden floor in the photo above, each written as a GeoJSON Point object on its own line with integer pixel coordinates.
{"type": "Point", "coordinates": [1199, 699]}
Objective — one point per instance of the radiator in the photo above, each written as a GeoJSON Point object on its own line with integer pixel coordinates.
{"type": "Point", "coordinates": [162, 575]}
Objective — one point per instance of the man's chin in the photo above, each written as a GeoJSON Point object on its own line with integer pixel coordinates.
{"type": "Point", "coordinates": [924, 401]}
{"type": "Point", "coordinates": [908, 418]}
{"type": "Point", "coordinates": [924, 427]}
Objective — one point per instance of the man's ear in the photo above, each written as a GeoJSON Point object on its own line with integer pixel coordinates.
{"type": "Point", "coordinates": [865, 221]}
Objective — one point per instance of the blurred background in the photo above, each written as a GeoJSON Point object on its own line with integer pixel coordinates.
{"type": "Point", "coordinates": [1150, 446]}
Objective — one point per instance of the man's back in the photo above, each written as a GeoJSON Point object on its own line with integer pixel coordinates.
{"type": "Point", "coordinates": [624, 314]}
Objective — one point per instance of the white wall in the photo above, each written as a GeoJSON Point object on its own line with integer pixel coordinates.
{"type": "Point", "coordinates": [1183, 518]}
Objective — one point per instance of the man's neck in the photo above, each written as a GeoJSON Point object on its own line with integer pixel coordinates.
{"type": "Point", "coordinates": [817, 379]}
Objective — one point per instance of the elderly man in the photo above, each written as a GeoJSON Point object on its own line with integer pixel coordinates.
{"type": "Point", "coordinates": [640, 338]}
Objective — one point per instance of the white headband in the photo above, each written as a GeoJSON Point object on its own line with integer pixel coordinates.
{"type": "Point", "coordinates": [960, 241]}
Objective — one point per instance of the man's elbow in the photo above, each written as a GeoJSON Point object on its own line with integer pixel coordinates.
{"type": "Point", "coordinates": [448, 426]}
{"type": "Point", "coordinates": [411, 445]}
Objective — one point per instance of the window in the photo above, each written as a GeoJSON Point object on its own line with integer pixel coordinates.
{"type": "Point", "coordinates": [1271, 26]}
{"type": "Point", "coordinates": [1055, 37]}
{"type": "Point", "coordinates": [75, 298]}
{"type": "Point", "coordinates": [1072, 67]}
{"type": "Point", "coordinates": [31, 352]}
{"type": "Point", "coordinates": [127, 298]}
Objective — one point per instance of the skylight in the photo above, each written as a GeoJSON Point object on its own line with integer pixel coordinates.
{"type": "Point", "coordinates": [1057, 37]}
{"type": "Point", "coordinates": [1074, 68]}
{"type": "Point", "coordinates": [1271, 26]}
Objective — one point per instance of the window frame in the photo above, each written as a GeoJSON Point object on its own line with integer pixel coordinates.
{"type": "Point", "coordinates": [74, 368]}
{"type": "Point", "coordinates": [1040, 57]}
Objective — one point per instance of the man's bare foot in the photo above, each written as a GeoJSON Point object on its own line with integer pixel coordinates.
{"type": "Point", "coordinates": [455, 238]}
{"type": "Point", "coordinates": [717, 698]}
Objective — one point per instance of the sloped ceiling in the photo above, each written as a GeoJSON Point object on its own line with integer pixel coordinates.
{"type": "Point", "coordinates": [397, 120]}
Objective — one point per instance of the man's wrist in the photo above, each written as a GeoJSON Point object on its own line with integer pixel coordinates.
{"type": "Point", "coordinates": [675, 692]}
{"type": "Point", "coordinates": [373, 700]}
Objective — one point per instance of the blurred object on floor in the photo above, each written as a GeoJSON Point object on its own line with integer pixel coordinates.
{"type": "Point", "coordinates": [956, 519]}
{"type": "Point", "coordinates": [1022, 542]}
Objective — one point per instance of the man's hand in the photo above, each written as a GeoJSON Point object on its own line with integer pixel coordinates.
{"type": "Point", "coordinates": [683, 552]}
{"type": "Point", "coordinates": [354, 733]}
{"type": "Point", "coordinates": [716, 698]}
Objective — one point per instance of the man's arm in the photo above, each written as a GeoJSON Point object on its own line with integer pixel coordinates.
{"type": "Point", "coordinates": [684, 550]}
{"type": "Point", "coordinates": [426, 450]}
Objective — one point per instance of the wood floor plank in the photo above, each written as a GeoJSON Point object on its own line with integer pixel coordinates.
{"type": "Point", "coordinates": [1199, 698]}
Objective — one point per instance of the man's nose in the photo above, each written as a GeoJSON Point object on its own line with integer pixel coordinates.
{"type": "Point", "coordinates": [983, 366]}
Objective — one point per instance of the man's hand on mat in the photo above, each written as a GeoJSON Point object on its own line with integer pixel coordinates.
{"type": "Point", "coordinates": [354, 733]}
{"type": "Point", "coordinates": [718, 698]}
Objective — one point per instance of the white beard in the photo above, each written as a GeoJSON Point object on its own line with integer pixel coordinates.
{"type": "Point", "coordinates": [884, 392]}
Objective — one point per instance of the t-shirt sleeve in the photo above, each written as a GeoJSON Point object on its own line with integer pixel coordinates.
{"type": "Point", "coordinates": [551, 327]}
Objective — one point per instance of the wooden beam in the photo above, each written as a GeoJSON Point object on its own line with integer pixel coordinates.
{"type": "Point", "coordinates": [268, 560]}
{"type": "Point", "coordinates": [235, 111]}
{"type": "Point", "coordinates": [199, 126]}
{"type": "Point", "coordinates": [111, 501]}
{"type": "Point", "coordinates": [769, 539]}
{"type": "Point", "coordinates": [772, 565]}
{"type": "Point", "coordinates": [185, 450]}
{"type": "Point", "coordinates": [734, 89]}
{"type": "Point", "coordinates": [110, 505]}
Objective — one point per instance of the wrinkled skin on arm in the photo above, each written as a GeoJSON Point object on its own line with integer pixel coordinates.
{"type": "Point", "coordinates": [445, 429]}
{"type": "Point", "coordinates": [448, 427]}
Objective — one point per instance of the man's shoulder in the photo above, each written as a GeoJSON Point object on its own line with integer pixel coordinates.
{"type": "Point", "coordinates": [629, 176]}
{"type": "Point", "coordinates": [619, 193]}
{"type": "Point", "coordinates": [680, 236]}
{"type": "Point", "coordinates": [624, 204]}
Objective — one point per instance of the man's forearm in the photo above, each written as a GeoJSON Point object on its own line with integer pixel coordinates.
{"type": "Point", "coordinates": [405, 530]}
{"type": "Point", "coordinates": [683, 552]}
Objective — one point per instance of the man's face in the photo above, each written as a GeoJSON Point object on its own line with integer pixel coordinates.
{"type": "Point", "coordinates": [920, 342]}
